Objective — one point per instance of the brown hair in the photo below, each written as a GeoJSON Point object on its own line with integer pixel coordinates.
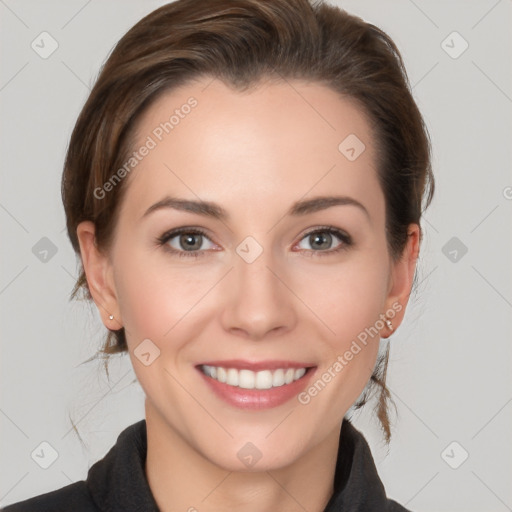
{"type": "Point", "coordinates": [242, 42]}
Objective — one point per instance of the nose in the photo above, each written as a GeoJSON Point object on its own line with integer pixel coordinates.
{"type": "Point", "coordinates": [259, 301]}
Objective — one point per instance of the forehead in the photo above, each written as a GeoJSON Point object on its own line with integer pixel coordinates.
{"type": "Point", "coordinates": [277, 140]}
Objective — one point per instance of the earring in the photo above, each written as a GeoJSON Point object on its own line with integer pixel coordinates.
{"type": "Point", "coordinates": [111, 317]}
{"type": "Point", "coordinates": [389, 324]}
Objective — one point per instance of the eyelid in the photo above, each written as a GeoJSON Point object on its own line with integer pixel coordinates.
{"type": "Point", "coordinates": [341, 234]}
{"type": "Point", "coordinates": [172, 233]}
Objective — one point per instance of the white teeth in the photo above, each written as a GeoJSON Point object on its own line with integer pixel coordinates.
{"type": "Point", "coordinates": [221, 373]}
{"type": "Point", "coordinates": [263, 379]}
{"type": "Point", "coordinates": [299, 373]}
{"type": "Point", "coordinates": [278, 378]}
{"type": "Point", "coordinates": [247, 379]}
{"type": "Point", "coordinates": [232, 379]}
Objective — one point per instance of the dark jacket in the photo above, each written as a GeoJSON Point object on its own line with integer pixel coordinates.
{"type": "Point", "coordinates": [117, 483]}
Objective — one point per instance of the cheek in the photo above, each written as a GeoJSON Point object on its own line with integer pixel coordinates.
{"type": "Point", "coordinates": [158, 300]}
{"type": "Point", "coordinates": [140, 292]}
{"type": "Point", "coordinates": [347, 297]}
{"type": "Point", "coordinates": [155, 299]}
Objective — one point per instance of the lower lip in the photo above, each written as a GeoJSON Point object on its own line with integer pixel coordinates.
{"type": "Point", "coordinates": [258, 398]}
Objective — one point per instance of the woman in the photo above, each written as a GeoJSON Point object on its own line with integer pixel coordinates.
{"type": "Point", "coordinates": [244, 187]}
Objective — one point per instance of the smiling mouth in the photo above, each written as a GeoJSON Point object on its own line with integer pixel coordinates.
{"type": "Point", "coordinates": [258, 380]}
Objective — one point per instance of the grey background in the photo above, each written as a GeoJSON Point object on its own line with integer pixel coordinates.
{"type": "Point", "coordinates": [450, 366]}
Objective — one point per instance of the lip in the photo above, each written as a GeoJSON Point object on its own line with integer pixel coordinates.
{"type": "Point", "coordinates": [271, 364]}
{"type": "Point", "coordinates": [256, 399]}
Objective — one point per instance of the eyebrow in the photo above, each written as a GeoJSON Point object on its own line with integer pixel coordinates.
{"type": "Point", "coordinates": [210, 209]}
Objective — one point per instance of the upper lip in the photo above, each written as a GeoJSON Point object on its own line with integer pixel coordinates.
{"type": "Point", "coordinates": [255, 366]}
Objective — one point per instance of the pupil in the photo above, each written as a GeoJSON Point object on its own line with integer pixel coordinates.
{"type": "Point", "coordinates": [188, 241]}
{"type": "Point", "coordinates": [325, 238]}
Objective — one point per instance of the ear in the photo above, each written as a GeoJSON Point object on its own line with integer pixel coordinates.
{"type": "Point", "coordinates": [402, 275]}
{"type": "Point", "coordinates": [98, 271]}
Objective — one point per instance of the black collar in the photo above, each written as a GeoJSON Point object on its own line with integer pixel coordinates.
{"type": "Point", "coordinates": [118, 483]}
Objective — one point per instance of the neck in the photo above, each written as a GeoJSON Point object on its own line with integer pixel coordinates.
{"type": "Point", "coordinates": [181, 478]}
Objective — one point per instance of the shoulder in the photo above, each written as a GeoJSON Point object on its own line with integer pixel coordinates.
{"type": "Point", "coordinates": [73, 497]}
{"type": "Point", "coordinates": [357, 484]}
{"type": "Point", "coordinates": [393, 506]}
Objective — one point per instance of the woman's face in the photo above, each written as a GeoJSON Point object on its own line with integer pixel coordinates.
{"type": "Point", "coordinates": [277, 279]}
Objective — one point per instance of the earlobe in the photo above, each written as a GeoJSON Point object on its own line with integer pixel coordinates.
{"type": "Point", "coordinates": [98, 271]}
{"type": "Point", "coordinates": [402, 279]}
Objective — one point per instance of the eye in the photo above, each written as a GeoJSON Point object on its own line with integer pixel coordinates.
{"type": "Point", "coordinates": [321, 240]}
{"type": "Point", "coordinates": [187, 242]}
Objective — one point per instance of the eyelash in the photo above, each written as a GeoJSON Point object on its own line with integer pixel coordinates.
{"type": "Point", "coordinates": [163, 239]}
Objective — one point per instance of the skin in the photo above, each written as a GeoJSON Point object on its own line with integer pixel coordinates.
{"type": "Point", "coordinates": [254, 153]}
